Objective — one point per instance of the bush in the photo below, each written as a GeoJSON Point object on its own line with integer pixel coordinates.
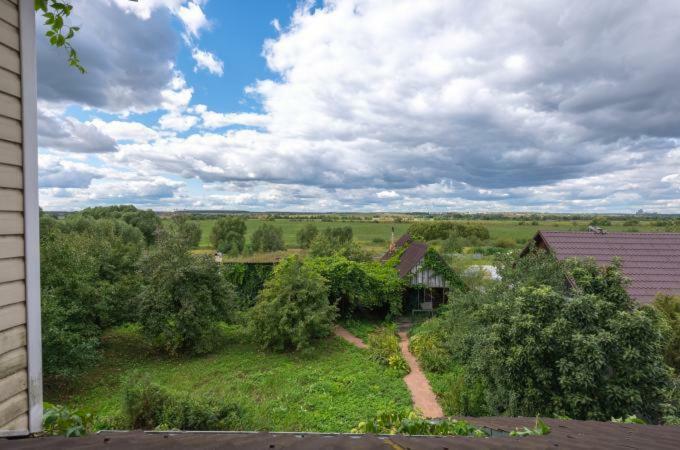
{"type": "Point", "coordinates": [247, 279]}
{"type": "Point", "coordinates": [383, 345]}
{"type": "Point", "coordinates": [149, 406]}
{"type": "Point", "coordinates": [293, 308]}
{"type": "Point", "coordinates": [428, 346]}
{"type": "Point", "coordinates": [367, 285]}
{"type": "Point", "coordinates": [60, 420]}
{"type": "Point", "coordinates": [184, 299]}
{"type": "Point", "coordinates": [600, 221]}
{"type": "Point", "coordinates": [669, 307]}
{"type": "Point", "coordinates": [593, 355]}
{"type": "Point", "coordinates": [505, 243]}
{"type": "Point", "coordinates": [413, 423]}
{"type": "Point", "coordinates": [268, 238]}
{"type": "Point", "coordinates": [229, 235]}
{"type": "Point", "coordinates": [306, 235]}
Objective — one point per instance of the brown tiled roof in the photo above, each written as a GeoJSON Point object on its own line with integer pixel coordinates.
{"type": "Point", "coordinates": [403, 240]}
{"type": "Point", "coordinates": [411, 257]}
{"type": "Point", "coordinates": [650, 260]}
{"type": "Point", "coordinates": [564, 434]}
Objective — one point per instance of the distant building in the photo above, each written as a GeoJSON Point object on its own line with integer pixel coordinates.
{"type": "Point", "coordinates": [650, 260]}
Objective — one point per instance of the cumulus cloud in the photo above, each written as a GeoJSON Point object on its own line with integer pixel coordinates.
{"type": "Point", "coordinates": [56, 172]}
{"type": "Point", "coordinates": [207, 61]}
{"type": "Point", "coordinates": [70, 135]}
{"type": "Point", "coordinates": [436, 105]}
{"type": "Point", "coordinates": [128, 60]}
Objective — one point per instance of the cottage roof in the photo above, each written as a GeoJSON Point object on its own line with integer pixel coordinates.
{"type": "Point", "coordinates": [650, 260]}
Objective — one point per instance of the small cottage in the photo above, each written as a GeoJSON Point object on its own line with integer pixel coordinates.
{"type": "Point", "coordinates": [429, 277]}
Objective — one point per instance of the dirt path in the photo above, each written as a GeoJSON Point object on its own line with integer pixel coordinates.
{"type": "Point", "coordinates": [421, 392]}
{"type": "Point", "coordinates": [423, 397]}
{"type": "Point", "coordinates": [349, 337]}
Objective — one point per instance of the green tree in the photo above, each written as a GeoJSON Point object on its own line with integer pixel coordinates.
{"type": "Point", "coordinates": [669, 307]}
{"type": "Point", "coordinates": [268, 238]}
{"type": "Point", "coordinates": [591, 354]}
{"type": "Point", "coordinates": [189, 230]}
{"type": "Point", "coordinates": [184, 299]}
{"type": "Point", "coordinates": [293, 308]}
{"type": "Point", "coordinates": [229, 235]}
{"type": "Point", "coordinates": [146, 221]}
{"type": "Point", "coordinates": [306, 235]}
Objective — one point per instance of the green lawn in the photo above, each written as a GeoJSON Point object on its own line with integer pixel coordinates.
{"type": "Point", "coordinates": [365, 232]}
{"type": "Point", "coordinates": [331, 388]}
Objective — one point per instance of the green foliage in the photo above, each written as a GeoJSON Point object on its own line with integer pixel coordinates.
{"type": "Point", "coordinates": [184, 299]}
{"type": "Point", "coordinates": [428, 347]}
{"type": "Point", "coordinates": [268, 238]}
{"type": "Point", "coordinates": [60, 420]}
{"type": "Point", "coordinates": [600, 221]}
{"type": "Point", "coordinates": [306, 235]}
{"type": "Point", "coordinates": [433, 261]}
{"type": "Point", "coordinates": [590, 356]}
{"type": "Point", "coordinates": [149, 406]}
{"type": "Point", "coordinates": [629, 419]}
{"type": "Point", "coordinates": [443, 229]}
{"type": "Point", "coordinates": [413, 423]}
{"type": "Point", "coordinates": [539, 429]}
{"type": "Point", "coordinates": [228, 235]}
{"type": "Point", "coordinates": [293, 308]}
{"type": "Point", "coordinates": [669, 307]}
{"type": "Point", "coordinates": [55, 12]}
{"type": "Point", "coordinates": [383, 345]}
{"type": "Point", "coordinates": [247, 279]}
{"type": "Point", "coordinates": [89, 281]}
{"type": "Point", "coordinates": [189, 230]}
{"type": "Point", "coordinates": [146, 221]}
{"type": "Point", "coordinates": [366, 285]}
{"type": "Point", "coordinates": [333, 241]}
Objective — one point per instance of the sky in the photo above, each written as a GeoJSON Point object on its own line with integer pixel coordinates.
{"type": "Point", "coordinates": [364, 105]}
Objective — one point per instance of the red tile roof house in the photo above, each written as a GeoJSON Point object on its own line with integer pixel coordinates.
{"type": "Point", "coordinates": [651, 261]}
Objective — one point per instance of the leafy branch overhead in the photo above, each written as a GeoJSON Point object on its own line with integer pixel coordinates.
{"type": "Point", "coordinates": [60, 34]}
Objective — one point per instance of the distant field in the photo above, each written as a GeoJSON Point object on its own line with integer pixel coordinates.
{"type": "Point", "coordinates": [366, 232]}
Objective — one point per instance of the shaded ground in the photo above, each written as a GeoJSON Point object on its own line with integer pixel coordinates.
{"type": "Point", "coordinates": [349, 337]}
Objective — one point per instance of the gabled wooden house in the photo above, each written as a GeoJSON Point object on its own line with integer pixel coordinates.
{"type": "Point", "coordinates": [428, 276]}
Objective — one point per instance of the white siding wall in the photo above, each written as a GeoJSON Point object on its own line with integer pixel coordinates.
{"type": "Point", "coordinates": [13, 332]}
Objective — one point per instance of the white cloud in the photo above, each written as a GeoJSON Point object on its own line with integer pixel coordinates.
{"type": "Point", "coordinates": [212, 119]}
{"type": "Point", "coordinates": [193, 18]}
{"type": "Point", "coordinates": [208, 61]}
{"type": "Point", "coordinates": [177, 121]}
{"type": "Point", "coordinates": [122, 131]}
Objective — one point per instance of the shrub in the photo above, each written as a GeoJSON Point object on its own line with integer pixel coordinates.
{"type": "Point", "coordinates": [60, 420]}
{"type": "Point", "coordinates": [383, 345]}
{"type": "Point", "coordinates": [293, 308]}
{"type": "Point", "coordinates": [505, 243]}
{"type": "Point", "coordinates": [306, 235]}
{"type": "Point", "coordinates": [669, 307]}
{"type": "Point", "coordinates": [367, 285]}
{"type": "Point", "coordinates": [268, 238]}
{"type": "Point", "coordinates": [590, 356]}
{"type": "Point", "coordinates": [247, 279]}
{"type": "Point", "coordinates": [149, 406]}
{"type": "Point", "coordinates": [600, 221]}
{"type": "Point", "coordinates": [229, 235]}
{"type": "Point", "coordinates": [413, 423]}
{"type": "Point", "coordinates": [184, 299]}
{"type": "Point", "coordinates": [429, 348]}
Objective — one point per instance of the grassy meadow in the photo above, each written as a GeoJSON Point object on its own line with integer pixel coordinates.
{"type": "Point", "coordinates": [375, 236]}
{"type": "Point", "coordinates": [330, 387]}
